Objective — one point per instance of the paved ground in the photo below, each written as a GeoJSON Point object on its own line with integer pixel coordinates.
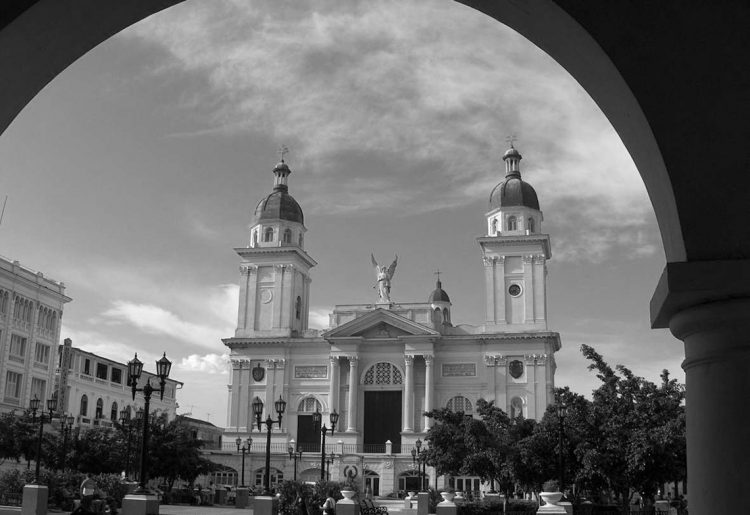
{"type": "Point", "coordinates": [165, 509]}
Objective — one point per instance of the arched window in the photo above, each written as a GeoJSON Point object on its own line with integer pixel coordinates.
{"type": "Point", "coordinates": [512, 223]}
{"type": "Point", "coordinates": [459, 403]}
{"type": "Point", "coordinates": [268, 234]}
{"type": "Point", "coordinates": [301, 239]}
{"type": "Point", "coordinates": [255, 238]}
{"type": "Point", "coordinates": [84, 406]}
{"type": "Point", "coordinates": [436, 316]}
{"type": "Point", "coordinates": [531, 224]}
{"type": "Point", "coordinates": [298, 307]}
{"type": "Point", "coordinates": [309, 405]}
{"type": "Point", "coordinates": [383, 373]}
{"type": "Point", "coordinates": [494, 226]}
{"type": "Point", "coordinates": [113, 412]}
{"type": "Point", "coordinates": [287, 236]}
{"type": "Point", "coordinates": [99, 408]}
{"type": "Point", "coordinates": [446, 315]}
{"type": "Point", "coordinates": [516, 407]}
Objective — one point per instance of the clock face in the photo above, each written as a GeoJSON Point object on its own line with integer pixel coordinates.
{"type": "Point", "coordinates": [266, 296]}
{"type": "Point", "coordinates": [514, 290]}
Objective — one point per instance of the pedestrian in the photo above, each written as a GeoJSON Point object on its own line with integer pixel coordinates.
{"type": "Point", "coordinates": [329, 507]}
{"type": "Point", "coordinates": [299, 505]}
{"type": "Point", "coordinates": [88, 488]}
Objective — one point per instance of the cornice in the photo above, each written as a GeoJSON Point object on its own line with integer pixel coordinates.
{"type": "Point", "coordinates": [255, 252]}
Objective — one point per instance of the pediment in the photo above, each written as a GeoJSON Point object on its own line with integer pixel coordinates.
{"type": "Point", "coordinates": [379, 323]}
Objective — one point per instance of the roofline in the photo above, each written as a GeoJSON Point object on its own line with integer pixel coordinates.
{"type": "Point", "coordinates": [294, 249]}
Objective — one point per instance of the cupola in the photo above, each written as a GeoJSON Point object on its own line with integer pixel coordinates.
{"type": "Point", "coordinates": [440, 304]}
{"type": "Point", "coordinates": [513, 191]}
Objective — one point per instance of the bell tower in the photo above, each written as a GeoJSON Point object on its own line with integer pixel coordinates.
{"type": "Point", "coordinates": [275, 269]}
{"type": "Point", "coordinates": [515, 254]}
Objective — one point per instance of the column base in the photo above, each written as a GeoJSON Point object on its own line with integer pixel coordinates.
{"type": "Point", "coordinates": [140, 504]}
{"type": "Point", "coordinates": [242, 498]}
{"type": "Point", "coordinates": [265, 505]}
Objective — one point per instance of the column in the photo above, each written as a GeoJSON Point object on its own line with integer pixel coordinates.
{"type": "Point", "coordinates": [489, 280]}
{"type": "Point", "coordinates": [408, 425]}
{"type": "Point", "coordinates": [501, 383]}
{"type": "Point", "coordinates": [491, 377]}
{"type": "Point", "coordinates": [429, 386]}
{"type": "Point", "coordinates": [531, 386]}
{"type": "Point", "coordinates": [351, 420]}
{"type": "Point", "coordinates": [717, 376]}
{"type": "Point", "coordinates": [528, 285]}
{"type": "Point", "coordinates": [333, 384]}
{"type": "Point", "coordinates": [499, 272]}
{"type": "Point", "coordinates": [540, 295]}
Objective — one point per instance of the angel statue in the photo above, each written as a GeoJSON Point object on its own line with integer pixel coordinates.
{"type": "Point", "coordinates": [384, 279]}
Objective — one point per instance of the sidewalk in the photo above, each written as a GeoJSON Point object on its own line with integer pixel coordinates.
{"type": "Point", "coordinates": [166, 509]}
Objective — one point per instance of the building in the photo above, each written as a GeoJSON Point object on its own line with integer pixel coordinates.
{"type": "Point", "coordinates": [380, 365]}
{"type": "Point", "coordinates": [94, 389]}
{"type": "Point", "coordinates": [31, 308]}
{"type": "Point", "coordinates": [204, 431]}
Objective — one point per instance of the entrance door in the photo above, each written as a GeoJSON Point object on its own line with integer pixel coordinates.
{"type": "Point", "coordinates": [372, 481]}
{"type": "Point", "coordinates": [382, 420]}
{"type": "Point", "coordinates": [308, 438]}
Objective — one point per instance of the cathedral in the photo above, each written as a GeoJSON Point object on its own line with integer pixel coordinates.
{"type": "Point", "coordinates": [380, 365]}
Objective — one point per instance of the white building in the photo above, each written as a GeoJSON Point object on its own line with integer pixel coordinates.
{"type": "Point", "coordinates": [94, 389]}
{"type": "Point", "coordinates": [31, 307]}
{"type": "Point", "coordinates": [382, 364]}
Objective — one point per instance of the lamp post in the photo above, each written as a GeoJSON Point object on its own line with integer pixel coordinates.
{"type": "Point", "coordinates": [280, 406]}
{"type": "Point", "coordinates": [34, 406]}
{"type": "Point", "coordinates": [562, 412]}
{"type": "Point", "coordinates": [419, 459]}
{"type": "Point", "coordinates": [66, 426]}
{"type": "Point", "coordinates": [296, 455]}
{"type": "Point", "coordinates": [135, 368]}
{"type": "Point", "coordinates": [317, 419]}
{"type": "Point", "coordinates": [244, 449]}
{"type": "Point", "coordinates": [329, 459]}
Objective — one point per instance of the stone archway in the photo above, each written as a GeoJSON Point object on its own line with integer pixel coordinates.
{"type": "Point", "coordinates": [672, 82]}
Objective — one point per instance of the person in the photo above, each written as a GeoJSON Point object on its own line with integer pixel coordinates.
{"type": "Point", "coordinates": [329, 507]}
{"type": "Point", "coordinates": [88, 487]}
{"type": "Point", "coordinates": [299, 505]}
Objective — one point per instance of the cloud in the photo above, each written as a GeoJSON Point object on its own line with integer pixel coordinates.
{"type": "Point", "coordinates": [104, 345]}
{"type": "Point", "coordinates": [208, 363]}
{"type": "Point", "coordinates": [156, 320]}
{"type": "Point", "coordinates": [319, 318]}
{"type": "Point", "coordinates": [389, 105]}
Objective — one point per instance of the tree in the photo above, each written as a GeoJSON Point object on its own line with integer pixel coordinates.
{"type": "Point", "coordinates": [636, 437]}
{"type": "Point", "coordinates": [100, 450]}
{"type": "Point", "coordinates": [175, 453]}
{"type": "Point", "coordinates": [17, 436]}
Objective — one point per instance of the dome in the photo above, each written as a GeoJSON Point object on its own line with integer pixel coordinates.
{"type": "Point", "coordinates": [279, 205]}
{"type": "Point", "coordinates": [513, 191]}
{"type": "Point", "coordinates": [282, 166]}
{"type": "Point", "coordinates": [512, 152]}
{"type": "Point", "coordinates": [438, 295]}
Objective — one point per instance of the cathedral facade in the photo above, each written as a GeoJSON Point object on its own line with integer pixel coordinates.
{"type": "Point", "coordinates": [379, 366]}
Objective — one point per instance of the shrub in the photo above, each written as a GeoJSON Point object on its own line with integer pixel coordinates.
{"type": "Point", "coordinates": [551, 485]}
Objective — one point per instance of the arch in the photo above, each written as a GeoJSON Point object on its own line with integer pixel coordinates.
{"type": "Point", "coordinates": [493, 229]}
{"type": "Point", "coordinates": [446, 315]}
{"type": "Point", "coordinates": [298, 308]}
{"type": "Point", "coordinates": [268, 234]}
{"type": "Point", "coordinates": [84, 410]}
{"type": "Point", "coordinates": [309, 405]}
{"type": "Point", "coordinates": [516, 407]}
{"type": "Point", "coordinates": [382, 373]}
{"type": "Point", "coordinates": [530, 224]}
{"type": "Point", "coordinates": [512, 223]}
{"type": "Point", "coordinates": [113, 413]}
{"type": "Point", "coordinates": [459, 403]}
{"type": "Point", "coordinates": [437, 317]}
{"type": "Point", "coordinates": [255, 238]}
{"type": "Point", "coordinates": [408, 481]}
{"type": "Point", "coordinates": [287, 236]}
{"type": "Point", "coordinates": [301, 239]}
{"type": "Point", "coordinates": [99, 408]}
{"type": "Point", "coordinates": [276, 476]}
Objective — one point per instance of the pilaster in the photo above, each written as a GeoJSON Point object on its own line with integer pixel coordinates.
{"type": "Point", "coordinates": [408, 415]}
{"type": "Point", "coordinates": [351, 420]}
{"type": "Point", "coordinates": [429, 386]}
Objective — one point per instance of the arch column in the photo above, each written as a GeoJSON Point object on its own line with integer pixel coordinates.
{"type": "Point", "coordinates": [429, 385]}
{"type": "Point", "coordinates": [717, 376]}
{"type": "Point", "coordinates": [351, 419]}
{"type": "Point", "coordinates": [333, 384]}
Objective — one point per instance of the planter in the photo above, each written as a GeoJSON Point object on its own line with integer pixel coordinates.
{"type": "Point", "coordinates": [411, 495]}
{"type": "Point", "coordinates": [447, 496]}
{"type": "Point", "coordinates": [348, 494]}
{"type": "Point", "coordinates": [551, 498]}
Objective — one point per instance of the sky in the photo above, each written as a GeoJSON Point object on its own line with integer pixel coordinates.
{"type": "Point", "coordinates": [133, 176]}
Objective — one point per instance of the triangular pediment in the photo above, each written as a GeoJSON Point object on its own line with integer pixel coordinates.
{"type": "Point", "coordinates": [379, 323]}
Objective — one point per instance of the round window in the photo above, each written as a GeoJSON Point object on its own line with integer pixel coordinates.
{"type": "Point", "coordinates": [514, 290]}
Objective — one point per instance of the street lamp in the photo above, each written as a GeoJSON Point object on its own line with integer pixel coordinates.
{"type": "Point", "coordinates": [66, 426]}
{"type": "Point", "coordinates": [244, 449]}
{"type": "Point", "coordinates": [562, 412]}
{"type": "Point", "coordinates": [317, 419]}
{"type": "Point", "coordinates": [296, 455]}
{"type": "Point", "coordinates": [280, 406]}
{"type": "Point", "coordinates": [34, 406]}
{"type": "Point", "coordinates": [135, 368]}
{"type": "Point", "coordinates": [419, 459]}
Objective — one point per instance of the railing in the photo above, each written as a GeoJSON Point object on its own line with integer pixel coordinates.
{"type": "Point", "coordinates": [331, 448]}
{"type": "Point", "coordinates": [11, 498]}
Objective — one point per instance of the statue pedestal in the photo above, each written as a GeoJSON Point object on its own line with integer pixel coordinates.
{"type": "Point", "coordinates": [347, 506]}
{"type": "Point", "coordinates": [140, 504]}
{"type": "Point", "coordinates": [423, 501]}
{"type": "Point", "coordinates": [266, 505]}
{"type": "Point", "coordinates": [243, 495]}
{"type": "Point", "coordinates": [34, 500]}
